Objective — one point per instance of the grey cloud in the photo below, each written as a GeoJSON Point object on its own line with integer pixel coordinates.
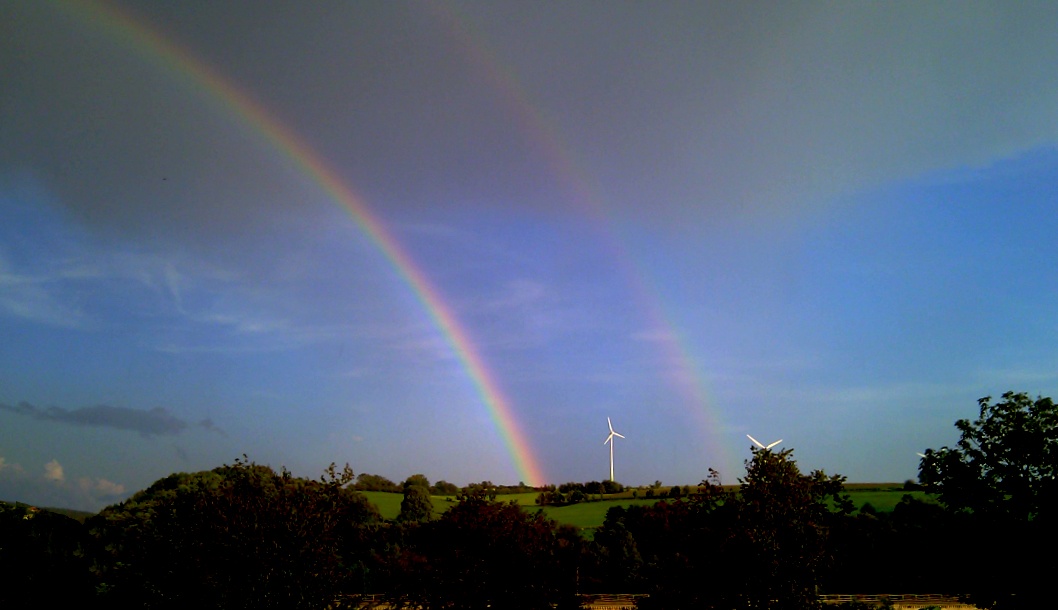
{"type": "Point", "coordinates": [678, 111]}
{"type": "Point", "coordinates": [153, 422]}
{"type": "Point", "coordinates": [207, 424]}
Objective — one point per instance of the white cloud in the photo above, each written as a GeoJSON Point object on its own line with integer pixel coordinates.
{"type": "Point", "coordinates": [53, 471]}
{"type": "Point", "coordinates": [100, 487]}
{"type": "Point", "coordinates": [6, 467]}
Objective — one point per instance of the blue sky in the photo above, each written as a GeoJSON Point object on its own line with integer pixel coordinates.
{"type": "Point", "coordinates": [821, 222]}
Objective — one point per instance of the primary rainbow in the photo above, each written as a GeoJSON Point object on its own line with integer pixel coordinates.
{"type": "Point", "coordinates": [142, 37]}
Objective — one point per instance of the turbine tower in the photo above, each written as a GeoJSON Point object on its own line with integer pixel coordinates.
{"type": "Point", "coordinates": [609, 439]}
{"type": "Point", "coordinates": [762, 446]}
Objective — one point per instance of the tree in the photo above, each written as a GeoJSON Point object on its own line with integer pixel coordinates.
{"type": "Point", "coordinates": [614, 560]}
{"type": "Point", "coordinates": [374, 482]}
{"type": "Point", "coordinates": [239, 536]}
{"type": "Point", "coordinates": [1005, 463]}
{"type": "Point", "coordinates": [444, 488]}
{"type": "Point", "coordinates": [419, 480]}
{"type": "Point", "coordinates": [482, 553]}
{"type": "Point", "coordinates": [416, 505]}
{"type": "Point", "coordinates": [784, 520]}
{"type": "Point", "coordinates": [679, 552]}
{"type": "Point", "coordinates": [1001, 476]}
{"type": "Point", "coordinates": [42, 559]}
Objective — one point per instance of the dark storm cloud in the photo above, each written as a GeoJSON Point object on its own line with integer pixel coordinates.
{"type": "Point", "coordinates": [130, 141]}
{"type": "Point", "coordinates": [680, 109]}
{"type": "Point", "coordinates": [153, 422]}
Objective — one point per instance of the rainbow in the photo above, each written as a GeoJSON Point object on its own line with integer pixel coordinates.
{"type": "Point", "coordinates": [143, 38]}
{"type": "Point", "coordinates": [539, 131]}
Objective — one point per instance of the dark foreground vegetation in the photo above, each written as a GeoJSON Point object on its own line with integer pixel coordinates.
{"type": "Point", "coordinates": [247, 536]}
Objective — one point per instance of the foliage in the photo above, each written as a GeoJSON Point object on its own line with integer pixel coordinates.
{"type": "Point", "coordinates": [239, 536]}
{"type": "Point", "coordinates": [416, 480]}
{"type": "Point", "coordinates": [486, 488]}
{"type": "Point", "coordinates": [482, 553]}
{"type": "Point", "coordinates": [574, 493]}
{"type": "Point", "coordinates": [374, 482]}
{"type": "Point", "coordinates": [1001, 476]}
{"type": "Point", "coordinates": [1005, 463]}
{"type": "Point", "coordinates": [417, 505]}
{"type": "Point", "coordinates": [764, 547]}
{"type": "Point", "coordinates": [444, 488]}
{"type": "Point", "coordinates": [784, 519]}
{"type": "Point", "coordinates": [38, 550]}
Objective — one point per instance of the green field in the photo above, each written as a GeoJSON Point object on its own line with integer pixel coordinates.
{"type": "Point", "coordinates": [590, 515]}
{"type": "Point", "coordinates": [884, 501]}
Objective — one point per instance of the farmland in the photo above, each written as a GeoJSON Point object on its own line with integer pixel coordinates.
{"type": "Point", "coordinates": [590, 515]}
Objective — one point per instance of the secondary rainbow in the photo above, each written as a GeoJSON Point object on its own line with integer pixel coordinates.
{"type": "Point", "coordinates": [155, 46]}
{"type": "Point", "coordinates": [539, 131]}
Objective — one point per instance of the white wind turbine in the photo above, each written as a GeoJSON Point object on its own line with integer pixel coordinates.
{"type": "Point", "coordinates": [609, 439]}
{"type": "Point", "coordinates": [761, 445]}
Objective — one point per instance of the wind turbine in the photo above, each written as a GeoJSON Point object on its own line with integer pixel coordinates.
{"type": "Point", "coordinates": [609, 439]}
{"type": "Point", "coordinates": [761, 445]}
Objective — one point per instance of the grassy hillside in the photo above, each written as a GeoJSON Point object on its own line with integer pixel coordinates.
{"type": "Point", "coordinates": [78, 515]}
{"type": "Point", "coordinates": [590, 515]}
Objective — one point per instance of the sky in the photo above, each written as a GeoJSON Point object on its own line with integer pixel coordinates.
{"type": "Point", "coordinates": [452, 238]}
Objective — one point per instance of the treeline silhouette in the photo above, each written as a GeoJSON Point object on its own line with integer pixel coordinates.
{"type": "Point", "coordinates": [247, 536]}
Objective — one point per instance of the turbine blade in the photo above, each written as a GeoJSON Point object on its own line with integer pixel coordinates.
{"type": "Point", "coordinates": [755, 441]}
{"type": "Point", "coordinates": [773, 444]}
{"type": "Point", "coordinates": [618, 434]}
{"type": "Point", "coordinates": [609, 424]}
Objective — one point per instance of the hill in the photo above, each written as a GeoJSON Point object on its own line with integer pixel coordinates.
{"type": "Point", "coordinates": [78, 515]}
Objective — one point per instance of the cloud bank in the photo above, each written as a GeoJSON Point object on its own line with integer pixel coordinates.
{"type": "Point", "coordinates": [154, 422]}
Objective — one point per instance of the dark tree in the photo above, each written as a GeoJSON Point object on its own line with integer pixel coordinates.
{"type": "Point", "coordinates": [677, 551]}
{"type": "Point", "coordinates": [419, 480]}
{"type": "Point", "coordinates": [1005, 463]}
{"type": "Point", "coordinates": [784, 520]}
{"type": "Point", "coordinates": [444, 488]}
{"type": "Point", "coordinates": [1001, 475]}
{"type": "Point", "coordinates": [374, 482]}
{"type": "Point", "coordinates": [240, 536]}
{"type": "Point", "coordinates": [616, 565]}
{"type": "Point", "coordinates": [416, 505]}
{"type": "Point", "coordinates": [42, 559]}
{"type": "Point", "coordinates": [482, 553]}
{"type": "Point", "coordinates": [571, 486]}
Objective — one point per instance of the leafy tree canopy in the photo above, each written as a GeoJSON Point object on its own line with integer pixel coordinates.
{"type": "Point", "coordinates": [374, 482]}
{"type": "Point", "coordinates": [483, 553]}
{"type": "Point", "coordinates": [238, 536]}
{"type": "Point", "coordinates": [416, 505]}
{"type": "Point", "coordinates": [1005, 462]}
